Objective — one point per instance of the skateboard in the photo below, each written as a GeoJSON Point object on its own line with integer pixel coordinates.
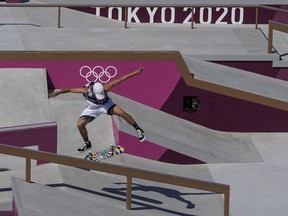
{"type": "Point", "coordinates": [112, 151]}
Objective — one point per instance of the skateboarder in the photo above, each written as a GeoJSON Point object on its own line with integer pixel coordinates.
{"type": "Point", "coordinates": [96, 96]}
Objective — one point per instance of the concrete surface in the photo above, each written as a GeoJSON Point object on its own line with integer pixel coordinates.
{"type": "Point", "coordinates": [32, 106]}
{"type": "Point", "coordinates": [257, 188]}
{"type": "Point", "coordinates": [238, 79]}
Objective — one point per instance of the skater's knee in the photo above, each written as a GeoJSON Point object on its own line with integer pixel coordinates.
{"type": "Point", "coordinates": [122, 113]}
{"type": "Point", "coordinates": [80, 125]}
{"type": "Point", "coordinates": [119, 112]}
{"type": "Point", "coordinates": [82, 122]}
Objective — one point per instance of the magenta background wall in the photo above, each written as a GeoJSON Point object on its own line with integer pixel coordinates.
{"type": "Point", "coordinates": [224, 113]}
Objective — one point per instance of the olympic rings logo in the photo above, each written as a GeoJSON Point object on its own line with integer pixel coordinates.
{"type": "Point", "coordinates": [98, 73]}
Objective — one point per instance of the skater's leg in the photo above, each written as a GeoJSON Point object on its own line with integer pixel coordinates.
{"type": "Point", "coordinates": [81, 124]}
{"type": "Point", "coordinates": [116, 110]}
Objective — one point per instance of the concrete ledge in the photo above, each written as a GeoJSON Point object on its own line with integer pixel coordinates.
{"type": "Point", "coordinates": [42, 135]}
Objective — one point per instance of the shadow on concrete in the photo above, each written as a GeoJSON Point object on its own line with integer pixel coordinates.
{"type": "Point", "coordinates": [141, 206]}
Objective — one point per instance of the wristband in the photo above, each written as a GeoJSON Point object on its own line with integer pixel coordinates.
{"type": "Point", "coordinates": [57, 93]}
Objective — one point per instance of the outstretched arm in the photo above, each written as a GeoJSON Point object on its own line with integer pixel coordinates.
{"type": "Point", "coordinates": [110, 85]}
{"type": "Point", "coordinates": [67, 90]}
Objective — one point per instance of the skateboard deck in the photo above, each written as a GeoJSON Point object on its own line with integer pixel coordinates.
{"type": "Point", "coordinates": [112, 151]}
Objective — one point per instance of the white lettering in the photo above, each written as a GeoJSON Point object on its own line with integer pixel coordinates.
{"type": "Point", "coordinates": [209, 15]}
{"type": "Point", "coordinates": [233, 15]}
{"type": "Point", "coordinates": [189, 17]}
{"type": "Point", "coordinates": [151, 13]}
{"type": "Point", "coordinates": [110, 12]}
{"type": "Point", "coordinates": [163, 15]}
{"type": "Point", "coordinates": [168, 14]}
{"type": "Point", "coordinates": [222, 16]}
{"type": "Point", "coordinates": [132, 14]}
{"type": "Point", "coordinates": [98, 10]}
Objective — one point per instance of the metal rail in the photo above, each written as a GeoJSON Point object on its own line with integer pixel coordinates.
{"type": "Point", "coordinates": [278, 27]}
{"type": "Point", "coordinates": [267, 8]}
{"type": "Point", "coordinates": [130, 173]}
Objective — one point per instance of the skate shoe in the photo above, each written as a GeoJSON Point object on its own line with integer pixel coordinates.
{"type": "Point", "coordinates": [86, 146]}
{"type": "Point", "coordinates": [140, 134]}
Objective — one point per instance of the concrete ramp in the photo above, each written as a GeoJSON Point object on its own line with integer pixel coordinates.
{"type": "Point", "coordinates": [23, 97]}
{"type": "Point", "coordinates": [238, 79]}
{"type": "Point", "coordinates": [237, 83]}
{"type": "Point", "coordinates": [24, 113]}
{"type": "Point", "coordinates": [184, 137]}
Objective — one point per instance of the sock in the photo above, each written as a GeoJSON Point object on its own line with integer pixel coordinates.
{"type": "Point", "coordinates": [86, 140]}
{"type": "Point", "coordinates": [135, 125]}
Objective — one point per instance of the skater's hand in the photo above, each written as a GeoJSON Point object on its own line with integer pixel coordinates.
{"type": "Point", "coordinates": [139, 70]}
{"type": "Point", "coordinates": [54, 94]}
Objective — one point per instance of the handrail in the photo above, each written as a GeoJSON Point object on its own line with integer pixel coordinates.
{"type": "Point", "coordinates": [273, 8]}
{"type": "Point", "coordinates": [267, 8]}
{"type": "Point", "coordinates": [272, 25]}
{"type": "Point", "coordinates": [278, 27]}
{"type": "Point", "coordinates": [130, 173]}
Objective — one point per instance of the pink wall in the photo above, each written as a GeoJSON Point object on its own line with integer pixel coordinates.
{"type": "Point", "coordinates": [147, 149]}
{"type": "Point", "coordinates": [224, 113]}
